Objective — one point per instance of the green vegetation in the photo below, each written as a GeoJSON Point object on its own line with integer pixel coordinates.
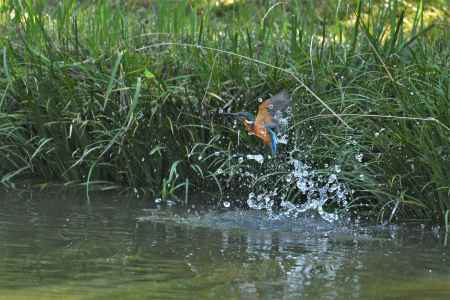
{"type": "Point", "coordinates": [107, 95]}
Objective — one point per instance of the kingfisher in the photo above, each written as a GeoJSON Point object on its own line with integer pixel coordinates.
{"type": "Point", "coordinates": [267, 121]}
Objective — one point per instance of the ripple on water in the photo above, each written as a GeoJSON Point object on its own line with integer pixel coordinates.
{"type": "Point", "coordinates": [63, 248]}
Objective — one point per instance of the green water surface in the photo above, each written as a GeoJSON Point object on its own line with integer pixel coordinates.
{"type": "Point", "coordinates": [55, 246]}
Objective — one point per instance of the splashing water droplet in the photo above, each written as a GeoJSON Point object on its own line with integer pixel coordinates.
{"type": "Point", "coordinates": [317, 189]}
{"type": "Point", "coordinates": [359, 157]}
{"type": "Point", "coordinates": [226, 204]}
{"type": "Point", "coordinates": [332, 178]}
{"type": "Point", "coordinates": [333, 188]}
{"type": "Point", "coordinates": [283, 139]}
{"type": "Point", "coordinates": [337, 168]}
{"type": "Point", "coordinates": [257, 157]}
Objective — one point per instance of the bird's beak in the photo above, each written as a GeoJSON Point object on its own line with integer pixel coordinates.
{"type": "Point", "coordinates": [235, 115]}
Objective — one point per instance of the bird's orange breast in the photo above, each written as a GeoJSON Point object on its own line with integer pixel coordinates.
{"type": "Point", "coordinates": [259, 130]}
{"type": "Point", "coordinates": [262, 133]}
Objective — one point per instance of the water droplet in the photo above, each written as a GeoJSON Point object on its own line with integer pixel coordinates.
{"type": "Point", "coordinates": [241, 160]}
{"type": "Point", "coordinates": [332, 178]}
{"type": "Point", "coordinates": [158, 200]}
{"type": "Point", "coordinates": [226, 204]}
{"type": "Point", "coordinates": [220, 111]}
{"type": "Point", "coordinates": [257, 157]}
{"type": "Point", "coordinates": [333, 188]}
{"type": "Point", "coordinates": [337, 168]}
{"type": "Point", "coordinates": [283, 139]}
{"type": "Point", "coordinates": [359, 157]}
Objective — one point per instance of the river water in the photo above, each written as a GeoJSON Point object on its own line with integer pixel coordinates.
{"type": "Point", "coordinates": [55, 246]}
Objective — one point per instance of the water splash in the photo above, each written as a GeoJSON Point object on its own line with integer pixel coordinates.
{"type": "Point", "coordinates": [317, 190]}
{"type": "Point", "coordinates": [257, 157]}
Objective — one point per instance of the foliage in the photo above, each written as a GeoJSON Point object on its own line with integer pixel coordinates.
{"type": "Point", "coordinates": [109, 94]}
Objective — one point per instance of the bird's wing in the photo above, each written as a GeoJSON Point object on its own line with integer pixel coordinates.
{"type": "Point", "coordinates": [279, 102]}
{"type": "Point", "coordinates": [271, 110]}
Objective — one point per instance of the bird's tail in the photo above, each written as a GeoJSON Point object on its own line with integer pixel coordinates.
{"type": "Point", "coordinates": [273, 141]}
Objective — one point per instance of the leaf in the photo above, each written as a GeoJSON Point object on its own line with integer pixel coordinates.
{"type": "Point", "coordinates": [112, 79]}
{"type": "Point", "coordinates": [148, 74]}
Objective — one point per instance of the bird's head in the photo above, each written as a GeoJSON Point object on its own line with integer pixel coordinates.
{"type": "Point", "coordinates": [246, 116]}
{"type": "Point", "coordinates": [242, 116]}
{"type": "Point", "coordinates": [248, 119]}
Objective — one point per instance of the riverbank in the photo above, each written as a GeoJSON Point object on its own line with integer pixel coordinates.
{"type": "Point", "coordinates": [107, 96]}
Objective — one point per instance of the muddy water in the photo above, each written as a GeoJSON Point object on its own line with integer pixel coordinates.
{"type": "Point", "coordinates": [55, 246]}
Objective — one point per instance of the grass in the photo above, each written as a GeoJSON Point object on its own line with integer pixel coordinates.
{"type": "Point", "coordinates": [106, 95]}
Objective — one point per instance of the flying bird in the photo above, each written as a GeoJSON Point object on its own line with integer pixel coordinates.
{"type": "Point", "coordinates": [268, 119]}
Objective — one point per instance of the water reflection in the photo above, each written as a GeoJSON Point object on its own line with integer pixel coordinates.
{"type": "Point", "coordinates": [53, 245]}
